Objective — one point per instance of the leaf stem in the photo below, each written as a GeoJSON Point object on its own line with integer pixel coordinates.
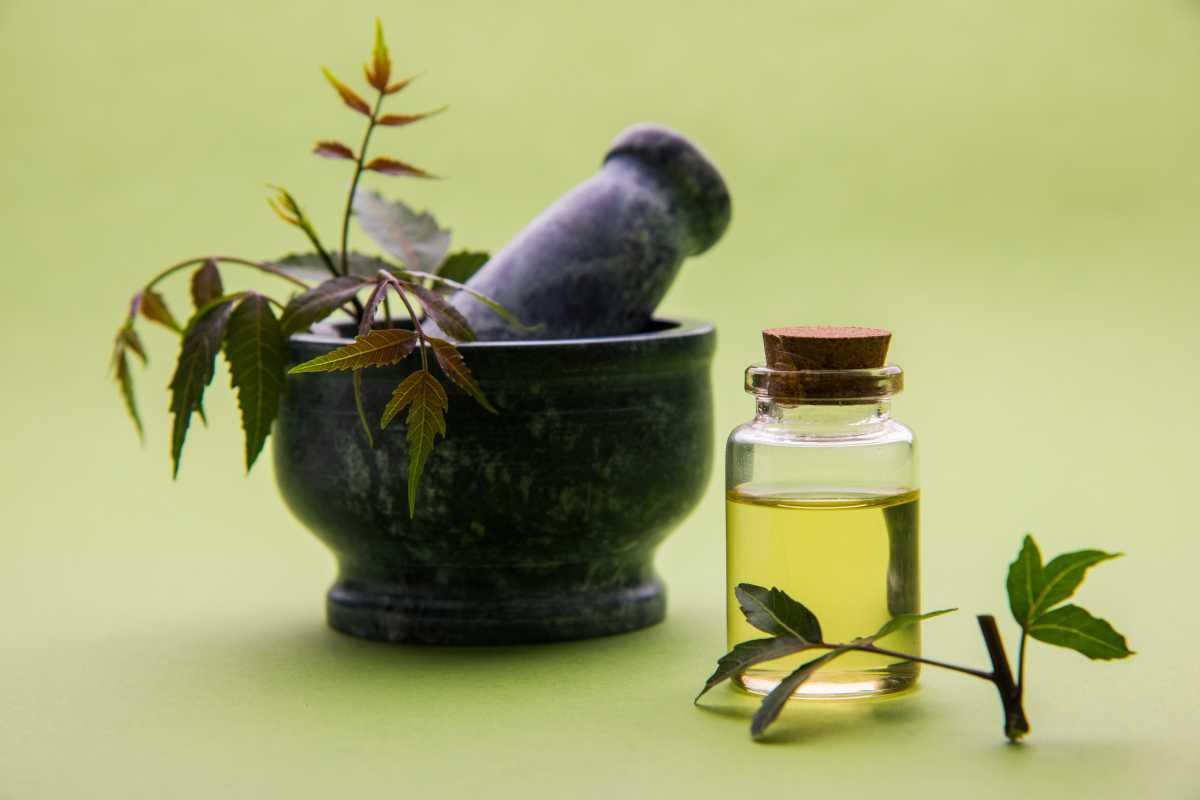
{"type": "Point", "coordinates": [1021, 667]}
{"type": "Point", "coordinates": [882, 651]}
{"type": "Point", "coordinates": [395, 284]}
{"type": "Point", "coordinates": [262, 267]}
{"type": "Point", "coordinates": [358, 171]}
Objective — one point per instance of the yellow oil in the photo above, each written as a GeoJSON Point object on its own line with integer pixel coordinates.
{"type": "Point", "coordinates": [851, 558]}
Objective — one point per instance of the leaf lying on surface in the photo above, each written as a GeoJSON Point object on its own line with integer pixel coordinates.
{"type": "Point", "coordinates": [413, 238]}
{"type": "Point", "coordinates": [330, 149]}
{"type": "Point", "coordinates": [255, 348]}
{"type": "Point", "coordinates": [396, 120]}
{"type": "Point", "coordinates": [206, 284]}
{"type": "Point", "coordinates": [195, 368]}
{"type": "Point", "coordinates": [347, 94]}
{"type": "Point", "coordinates": [1073, 627]}
{"type": "Point", "coordinates": [312, 266]}
{"type": "Point", "coordinates": [319, 302]}
{"type": "Point", "coordinates": [154, 308]}
{"type": "Point", "coordinates": [452, 363]}
{"type": "Point", "coordinates": [772, 611]}
{"type": "Point", "coordinates": [426, 401]}
{"type": "Point", "coordinates": [392, 166]}
{"type": "Point", "coordinates": [374, 349]}
{"type": "Point", "coordinates": [462, 265]}
{"type": "Point", "coordinates": [448, 318]}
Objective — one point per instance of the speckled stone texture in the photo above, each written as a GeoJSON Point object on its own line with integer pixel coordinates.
{"type": "Point", "coordinates": [598, 261]}
{"type": "Point", "coordinates": [536, 524]}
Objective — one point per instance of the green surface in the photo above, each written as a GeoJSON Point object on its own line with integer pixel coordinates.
{"type": "Point", "coordinates": [1010, 186]}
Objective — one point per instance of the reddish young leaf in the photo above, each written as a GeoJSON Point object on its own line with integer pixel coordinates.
{"type": "Point", "coordinates": [390, 166]}
{"type": "Point", "coordinates": [347, 94]}
{"type": "Point", "coordinates": [373, 349]}
{"type": "Point", "coordinates": [452, 363]}
{"type": "Point", "coordinates": [448, 318]}
{"type": "Point", "coordinates": [129, 339]}
{"type": "Point", "coordinates": [395, 120]}
{"type": "Point", "coordinates": [154, 308]}
{"type": "Point", "coordinates": [380, 69]}
{"type": "Point", "coordinates": [398, 85]}
{"type": "Point", "coordinates": [319, 302]}
{"type": "Point", "coordinates": [329, 149]}
{"type": "Point", "coordinates": [206, 284]}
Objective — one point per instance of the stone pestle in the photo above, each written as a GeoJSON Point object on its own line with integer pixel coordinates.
{"type": "Point", "coordinates": [598, 261]}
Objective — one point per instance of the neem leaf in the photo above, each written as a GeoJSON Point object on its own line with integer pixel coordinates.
{"type": "Point", "coordinates": [1024, 575]}
{"type": "Point", "coordinates": [1061, 577]}
{"type": "Point", "coordinates": [331, 149]}
{"type": "Point", "coordinates": [311, 266]}
{"type": "Point", "coordinates": [380, 69]}
{"type": "Point", "coordinates": [452, 363]}
{"type": "Point", "coordinates": [775, 613]}
{"type": "Point", "coordinates": [124, 377]}
{"type": "Point", "coordinates": [206, 284]}
{"type": "Point", "coordinates": [319, 302]}
{"type": "Point", "coordinates": [902, 621]}
{"type": "Point", "coordinates": [427, 402]}
{"type": "Point", "coordinates": [398, 85]}
{"type": "Point", "coordinates": [462, 265]}
{"type": "Point", "coordinates": [415, 239]}
{"type": "Point", "coordinates": [255, 347]}
{"type": "Point", "coordinates": [154, 308]}
{"type": "Point", "coordinates": [396, 120]}
{"type": "Point", "coordinates": [127, 338]}
{"type": "Point", "coordinates": [747, 654]}
{"type": "Point", "coordinates": [392, 166]}
{"type": "Point", "coordinates": [374, 349]}
{"type": "Point", "coordinates": [1071, 626]}
{"type": "Point", "coordinates": [194, 371]}
{"type": "Point", "coordinates": [412, 275]}
{"type": "Point", "coordinates": [448, 318]}
{"type": "Point", "coordinates": [347, 94]}
{"type": "Point", "coordinates": [774, 702]}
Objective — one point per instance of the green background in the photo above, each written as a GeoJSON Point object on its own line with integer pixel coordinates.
{"type": "Point", "coordinates": [1011, 187]}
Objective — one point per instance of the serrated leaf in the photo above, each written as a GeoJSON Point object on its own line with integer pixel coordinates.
{"type": "Point", "coordinates": [1061, 576]}
{"type": "Point", "coordinates": [195, 368]}
{"type": "Point", "coordinates": [380, 70]}
{"type": "Point", "coordinates": [319, 302]}
{"type": "Point", "coordinates": [154, 308]}
{"type": "Point", "coordinates": [347, 94]}
{"type": "Point", "coordinates": [374, 349]}
{"type": "Point", "coordinates": [1072, 627]}
{"type": "Point", "coordinates": [452, 363]}
{"type": "Point", "coordinates": [902, 621]}
{"type": "Point", "coordinates": [448, 318]}
{"type": "Point", "coordinates": [255, 348]}
{"type": "Point", "coordinates": [462, 265]}
{"type": "Point", "coordinates": [414, 275]}
{"type": "Point", "coordinates": [124, 377]}
{"type": "Point", "coordinates": [398, 85]}
{"type": "Point", "coordinates": [206, 284]}
{"type": "Point", "coordinates": [393, 166]}
{"type": "Point", "coordinates": [396, 120]}
{"type": "Point", "coordinates": [311, 266]}
{"type": "Point", "coordinates": [331, 149]}
{"type": "Point", "coordinates": [773, 612]}
{"type": "Point", "coordinates": [1023, 577]}
{"type": "Point", "coordinates": [774, 702]}
{"type": "Point", "coordinates": [413, 238]}
{"type": "Point", "coordinates": [746, 654]}
{"type": "Point", "coordinates": [426, 401]}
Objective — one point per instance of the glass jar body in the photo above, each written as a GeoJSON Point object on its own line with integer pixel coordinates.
{"type": "Point", "coordinates": [822, 501]}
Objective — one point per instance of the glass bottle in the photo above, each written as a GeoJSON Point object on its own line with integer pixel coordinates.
{"type": "Point", "coordinates": [822, 502]}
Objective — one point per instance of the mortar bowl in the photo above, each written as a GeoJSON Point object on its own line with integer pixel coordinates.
{"type": "Point", "coordinates": [535, 524]}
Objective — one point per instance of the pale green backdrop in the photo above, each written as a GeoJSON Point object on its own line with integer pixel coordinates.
{"type": "Point", "coordinates": [1012, 187]}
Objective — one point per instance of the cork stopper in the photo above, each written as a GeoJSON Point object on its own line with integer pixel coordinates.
{"type": "Point", "coordinates": [823, 347]}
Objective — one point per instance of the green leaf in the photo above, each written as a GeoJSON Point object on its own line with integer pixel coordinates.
{"type": "Point", "coordinates": [206, 284]}
{"type": "Point", "coordinates": [1071, 626]}
{"type": "Point", "coordinates": [362, 411]}
{"type": "Point", "coordinates": [154, 308]}
{"type": "Point", "coordinates": [1061, 577]}
{"type": "Point", "coordinates": [415, 239]}
{"type": "Point", "coordinates": [311, 266]}
{"type": "Point", "coordinates": [376, 349]}
{"type": "Point", "coordinates": [124, 378]}
{"type": "Point", "coordinates": [195, 368]}
{"type": "Point", "coordinates": [452, 363]}
{"type": "Point", "coordinates": [773, 612]}
{"type": "Point", "coordinates": [774, 702]}
{"type": "Point", "coordinates": [256, 350]}
{"type": "Point", "coordinates": [319, 302]}
{"type": "Point", "coordinates": [462, 265]}
{"type": "Point", "coordinates": [902, 621]}
{"type": "Point", "coordinates": [448, 318]}
{"type": "Point", "coordinates": [379, 71]}
{"type": "Point", "coordinates": [1024, 575]}
{"type": "Point", "coordinates": [755, 651]}
{"type": "Point", "coordinates": [426, 402]}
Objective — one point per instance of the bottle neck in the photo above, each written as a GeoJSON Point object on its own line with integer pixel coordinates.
{"type": "Point", "coordinates": [828, 419]}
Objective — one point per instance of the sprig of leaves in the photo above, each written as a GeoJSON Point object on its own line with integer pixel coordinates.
{"type": "Point", "coordinates": [1035, 594]}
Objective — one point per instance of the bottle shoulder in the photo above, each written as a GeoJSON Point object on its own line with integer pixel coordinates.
{"type": "Point", "coordinates": [756, 433]}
